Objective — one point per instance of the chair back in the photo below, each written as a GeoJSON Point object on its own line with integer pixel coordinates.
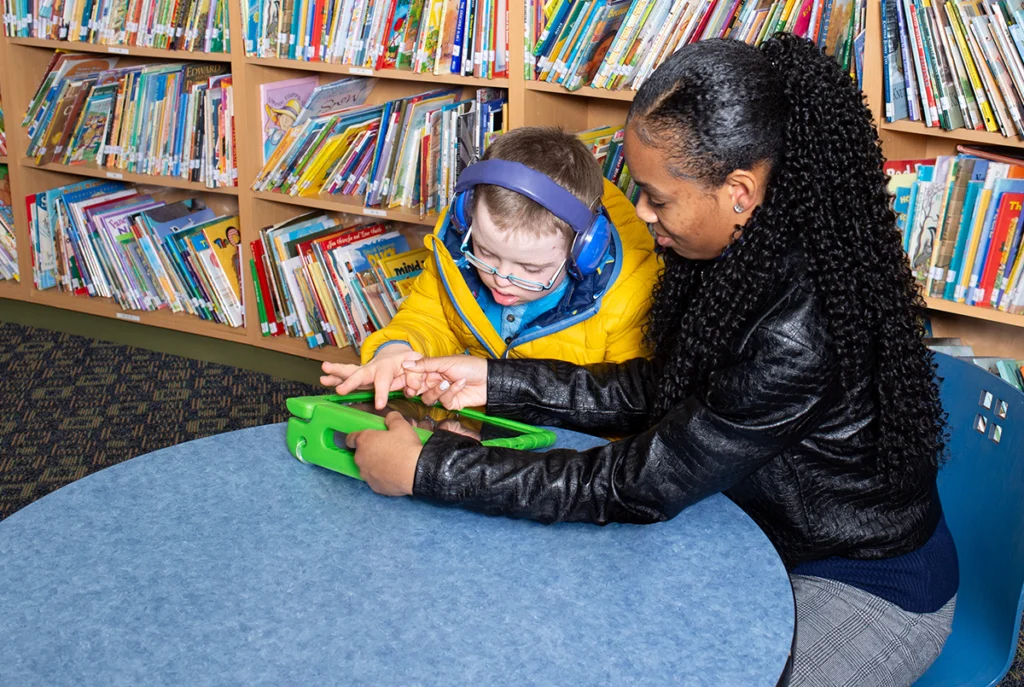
{"type": "Point", "coordinates": [982, 492]}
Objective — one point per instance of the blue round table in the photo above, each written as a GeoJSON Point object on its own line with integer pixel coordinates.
{"type": "Point", "coordinates": [226, 561]}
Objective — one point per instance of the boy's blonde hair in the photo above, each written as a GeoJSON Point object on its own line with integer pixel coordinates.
{"type": "Point", "coordinates": [551, 151]}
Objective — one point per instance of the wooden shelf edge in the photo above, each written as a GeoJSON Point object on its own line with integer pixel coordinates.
{"type": "Point", "coordinates": [3, 160]}
{"type": "Point", "coordinates": [292, 346]}
{"type": "Point", "coordinates": [161, 318]}
{"type": "Point", "coordinates": [975, 312]}
{"type": "Point", "coordinates": [131, 51]}
{"type": "Point", "coordinates": [586, 91]}
{"type": "Point", "coordinates": [116, 175]}
{"type": "Point", "coordinates": [103, 307]}
{"type": "Point", "coordinates": [328, 203]}
{"type": "Point", "coordinates": [397, 74]}
{"type": "Point", "coordinates": [957, 135]}
{"type": "Point", "coordinates": [11, 289]}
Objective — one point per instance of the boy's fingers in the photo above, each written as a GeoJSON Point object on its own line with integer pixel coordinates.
{"type": "Point", "coordinates": [353, 380]}
{"type": "Point", "coordinates": [381, 389]}
{"type": "Point", "coordinates": [413, 383]}
{"type": "Point", "coordinates": [330, 380]}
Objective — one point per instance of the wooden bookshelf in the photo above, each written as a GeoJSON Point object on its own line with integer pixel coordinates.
{"type": "Point", "coordinates": [22, 62]}
{"type": "Point", "coordinates": [160, 318]}
{"type": "Point", "coordinates": [957, 135]}
{"type": "Point", "coordinates": [351, 207]}
{"type": "Point", "coordinates": [78, 46]}
{"type": "Point", "coordinates": [586, 91]}
{"type": "Point", "coordinates": [976, 312]}
{"type": "Point", "coordinates": [3, 160]}
{"type": "Point", "coordinates": [990, 332]}
{"type": "Point", "coordinates": [399, 74]}
{"type": "Point", "coordinates": [119, 175]}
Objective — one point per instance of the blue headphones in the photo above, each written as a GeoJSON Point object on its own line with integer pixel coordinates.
{"type": "Point", "coordinates": [592, 228]}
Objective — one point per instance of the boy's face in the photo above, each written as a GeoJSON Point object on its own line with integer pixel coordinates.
{"type": "Point", "coordinates": [517, 254]}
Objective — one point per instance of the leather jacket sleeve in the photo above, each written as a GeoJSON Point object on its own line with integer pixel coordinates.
{"type": "Point", "coordinates": [601, 398]}
{"type": "Point", "coordinates": [749, 412]}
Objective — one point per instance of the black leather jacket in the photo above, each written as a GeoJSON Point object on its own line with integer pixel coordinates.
{"type": "Point", "coordinates": [772, 429]}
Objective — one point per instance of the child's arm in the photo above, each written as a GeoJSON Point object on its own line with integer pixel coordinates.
{"type": "Point", "coordinates": [418, 328]}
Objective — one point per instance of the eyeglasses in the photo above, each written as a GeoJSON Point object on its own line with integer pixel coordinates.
{"type": "Point", "coordinates": [525, 284]}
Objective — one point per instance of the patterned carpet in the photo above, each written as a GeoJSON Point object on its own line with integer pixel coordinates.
{"type": "Point", "coordinates": [72, 406]}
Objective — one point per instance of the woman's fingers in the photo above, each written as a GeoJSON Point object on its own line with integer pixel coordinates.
{"type": "Point", "coordinates": [445, 393]}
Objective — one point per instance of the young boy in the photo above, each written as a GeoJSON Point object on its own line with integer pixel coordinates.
{"type": "Point", "coordinates": [509, 279]}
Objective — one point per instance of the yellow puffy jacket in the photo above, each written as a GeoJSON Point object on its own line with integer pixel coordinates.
{"type": "Point", "coordinates": [600, 321]}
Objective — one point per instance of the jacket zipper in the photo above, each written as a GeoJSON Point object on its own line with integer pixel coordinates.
{"type": "Point", "coordinates": [576, 319]}
{"type": "Point", "coordinates": [455, 302]}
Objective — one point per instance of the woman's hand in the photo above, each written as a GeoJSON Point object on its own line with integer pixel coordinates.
{"type": "Point", "coordinates": [387, 459]}
{"type": "Point", "coordinates": [383, 374]}
{"type": "Point", "coordinates": [457, 382]}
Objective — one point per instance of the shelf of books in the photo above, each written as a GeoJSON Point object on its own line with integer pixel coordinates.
{"type": "Point", "coordinates": [951, 117]}
{"type": "Point", "coordinates": [265, 170]}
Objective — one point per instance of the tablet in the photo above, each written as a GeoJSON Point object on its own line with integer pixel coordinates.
{"type": "Point", "coordinates": [319, 426]}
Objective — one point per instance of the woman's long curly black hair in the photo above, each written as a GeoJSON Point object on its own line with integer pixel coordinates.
{"type": "Point", "coordinates": [720, 105]}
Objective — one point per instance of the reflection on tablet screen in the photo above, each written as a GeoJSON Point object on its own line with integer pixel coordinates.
{"type": "Point", "coordinates": [435, 418]}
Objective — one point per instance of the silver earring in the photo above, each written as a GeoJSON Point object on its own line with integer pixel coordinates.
{"type": "Point", "coordinates": [738, 209]}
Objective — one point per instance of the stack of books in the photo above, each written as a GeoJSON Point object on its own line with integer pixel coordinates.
{"type": "Point", "coordinates": [462, 37]}
{"type": "Point", "coordinates": [191, 25]}
{"type": "Point", "coordinates": [3, 136]}
{"type": "Point", "coordinates": [107, 239]}
{"type": "Point", "coordinates": [8, 247]}
{"type": "Point", "coordinates": [167, 119]}
{"type": "Point", "coordinates": [605, 142]}
{"type": "Point", "coordinates": [955, 63]}
{"type": "Point", "coordinates": [960, 218]}
{"type": "Point", "coordinates": [405, 153]}
{"type": "Point", "coordinates": [331, 283]}
{"type": "Point", "coordinates": [617, 44]}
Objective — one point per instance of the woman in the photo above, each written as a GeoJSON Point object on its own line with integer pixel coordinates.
{"type": "Point", "coordinates": [788, 372]}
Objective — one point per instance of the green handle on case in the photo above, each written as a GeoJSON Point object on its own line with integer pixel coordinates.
{"type": "Point", "coordinates": [311, 431]}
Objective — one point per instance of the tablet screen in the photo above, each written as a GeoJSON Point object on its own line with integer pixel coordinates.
{"type": "Point", "coordinates": [436, 418]}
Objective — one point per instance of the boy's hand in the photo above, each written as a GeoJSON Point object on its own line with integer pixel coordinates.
{"type": "Point", "coordinates": [383, 374]}
{"type": "Point", "coordinates": [458, 381]}
{"type": "Point", "coordinates": [387, 459]}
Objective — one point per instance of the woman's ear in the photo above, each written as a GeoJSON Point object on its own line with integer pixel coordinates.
{"type": "Point", "coordinates": [745, 188]}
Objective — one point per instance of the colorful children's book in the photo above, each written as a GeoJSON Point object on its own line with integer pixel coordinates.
{"type": "Point", "coordinates": [280, 105]}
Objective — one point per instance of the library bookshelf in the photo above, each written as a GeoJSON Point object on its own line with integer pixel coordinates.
{"type": "Point", "coordinates": [23, 61]}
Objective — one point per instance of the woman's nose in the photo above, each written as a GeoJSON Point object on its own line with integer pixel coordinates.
{"type": "Point", "coordinates": [645, 212]}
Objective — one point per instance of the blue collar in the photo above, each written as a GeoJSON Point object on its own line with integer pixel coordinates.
{"type": "Point", "coordinates": [523, 314]}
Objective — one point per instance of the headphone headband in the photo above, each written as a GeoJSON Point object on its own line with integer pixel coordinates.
{"type": "Point", "coordinates": [535, 185]}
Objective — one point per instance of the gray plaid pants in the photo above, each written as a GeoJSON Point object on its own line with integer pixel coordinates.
{"type": "Point", "coordinates": [847, 637]}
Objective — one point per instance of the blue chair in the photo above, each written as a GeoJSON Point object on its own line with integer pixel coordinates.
{"type": "Point", "coordinates": [982, 491]}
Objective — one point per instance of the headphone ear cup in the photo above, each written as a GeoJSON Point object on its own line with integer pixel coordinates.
{"type": "Point", "coordinates": [588, 248]}
{"type": "Point", "coordinates": [460, 209]}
